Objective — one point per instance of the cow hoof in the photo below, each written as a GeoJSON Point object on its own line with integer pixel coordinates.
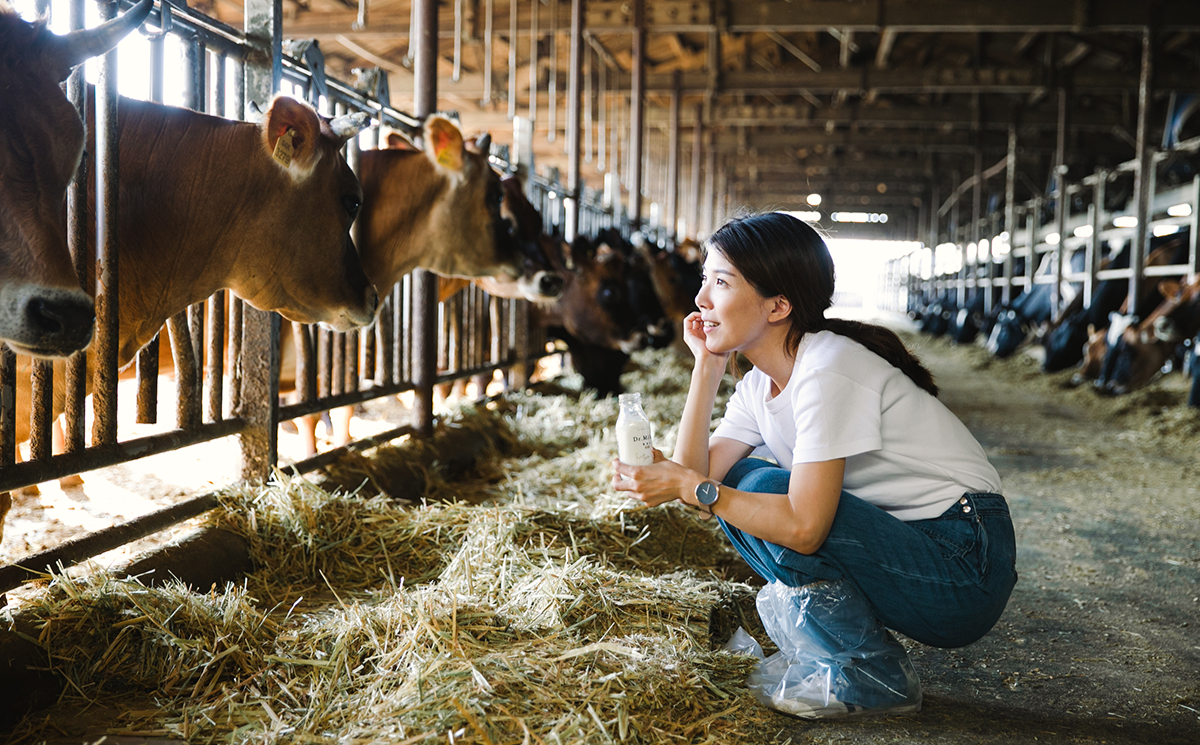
{"type": "Point", "coordinates": [28, 491]}
{"type": "Point", "coordinates": [68, 481]}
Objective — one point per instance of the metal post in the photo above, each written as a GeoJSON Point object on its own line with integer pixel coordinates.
{"type": "Point", "coordinates": [671, 216]}
{"type": "Point", "coordinates": [533, 60]}
{"type": "Point", "coordinates": [488, 20]}
{"type": "Point", "coordinates": [574, 91]}
{"type": "Point", "coordinates": [1096, 219]}
{"type": "Point", "coordinates": [1060, 204]}
{"type": "Point", "coordinates": [1143, 176]}
{"type": "Point", "coordinates": [424, 282]}
{"type": "Point", "coordinates": [1010, 211]}
{"type": "Point", "coordinates": [710, 169]}
{"type": "Point", "coordinates": [693, 226]}
{"type": "Point", "coordinates": [104, 388]}
{"type": "Point", "coordinates": [637, 113]}
{"type": "Point", "coordinates": [259, 404]}
{"type": "Point", "coordinates": [512, 59]}
{"type": "Point", "coordinates": [77, 230]}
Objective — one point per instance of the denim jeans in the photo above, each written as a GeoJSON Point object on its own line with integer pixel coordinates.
{"type": "Point", "coordinates": [942, 581]}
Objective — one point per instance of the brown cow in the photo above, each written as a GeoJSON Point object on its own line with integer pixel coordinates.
{"type": "Point", "coordinates": [1148, 348]}
{"type": "Point", "coordinates": [43, 310]}
{"type": "Point", "coordinates": [205, 206]}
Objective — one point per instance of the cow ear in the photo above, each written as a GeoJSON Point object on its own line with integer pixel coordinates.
{"type": "Point", "coordinates": [444, 143]}
{"type": "Point", "coordinates": [605, 252]}
{"type": "Point", "coordinates": [1168, 288]}
{"type": "Point", "coordinates": [291, 131]}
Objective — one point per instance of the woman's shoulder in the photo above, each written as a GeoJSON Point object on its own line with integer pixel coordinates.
{"type": "Point", "coordinates": [831, 352]}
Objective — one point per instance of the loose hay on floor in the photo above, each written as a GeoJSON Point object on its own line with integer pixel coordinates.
{"type": "Point", "coordinates": [528, 603]}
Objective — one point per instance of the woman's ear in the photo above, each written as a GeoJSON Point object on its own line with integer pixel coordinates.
{"type": "Point", "coordinates": [781, 308]}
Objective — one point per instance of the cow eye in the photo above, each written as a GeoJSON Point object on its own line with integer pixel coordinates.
{"type": "Point", "coordinates": [352, 205]}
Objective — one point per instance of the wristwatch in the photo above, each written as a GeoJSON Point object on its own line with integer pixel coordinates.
{"type": "Point", "coordinates": [707, 493]}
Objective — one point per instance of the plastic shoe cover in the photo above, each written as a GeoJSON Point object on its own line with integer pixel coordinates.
{"type": "Point", "coordinates": [835, 659]}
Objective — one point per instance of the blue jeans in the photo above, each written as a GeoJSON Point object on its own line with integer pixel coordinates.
{"type": "Point", "coordinates": [943, 581]}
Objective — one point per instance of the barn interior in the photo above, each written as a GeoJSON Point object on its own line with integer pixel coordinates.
{"type": "Point", "coordinates": [484, 584]}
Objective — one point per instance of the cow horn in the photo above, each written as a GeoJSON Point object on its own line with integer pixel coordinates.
{"type": "Point", "coordinates": [484, 143]}
{"type": "Point", "coordinates": [254, 112]}
{"type": "Point", "coordinates": [348, 125]}
{"type": "Point", "coordinates": [79, 46]}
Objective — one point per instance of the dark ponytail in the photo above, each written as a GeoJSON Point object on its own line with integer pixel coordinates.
{"type": "Point", "coordinates": [780, 255]}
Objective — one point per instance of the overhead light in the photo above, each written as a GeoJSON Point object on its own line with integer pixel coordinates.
{"type": "Point", "coordinates": [1125, 221]}
{"type": "Point", "coordinates": [1052, 239]}
{"type": "Point", "coordinates": [814, 200]}
{"type": "Point", "coordinates": [1180, 210]}
{"type": "Point", "coordinates": [1083, 231]}
{"type": "Point", "coordinates": [813, 216]}
{"type": "Point", "coordinates": [1161, 230]}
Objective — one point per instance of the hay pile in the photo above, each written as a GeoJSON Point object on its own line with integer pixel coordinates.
{"type": "Point", "coordinates": [531, 604]}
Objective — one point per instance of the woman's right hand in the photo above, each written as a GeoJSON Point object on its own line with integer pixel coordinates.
{"type": "Point", "coordinates": [694, 337]}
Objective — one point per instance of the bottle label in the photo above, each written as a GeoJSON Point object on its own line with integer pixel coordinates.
{"type": "Point", "coordinates": [634, 443]}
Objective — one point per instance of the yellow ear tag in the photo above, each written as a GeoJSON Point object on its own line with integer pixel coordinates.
{"type": "Point", "coordinates": [284, 149]}
{"type": "Point", "coordinates": [446, 158]}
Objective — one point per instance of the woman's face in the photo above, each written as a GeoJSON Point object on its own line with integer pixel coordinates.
{"type": "Point", "coordinates": [735, 315]}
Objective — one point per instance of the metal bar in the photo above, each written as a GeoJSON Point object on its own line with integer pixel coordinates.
{"type": "Point", "coordinates": [233, 392]}
{"type": "Point", "coordinates": [671, 214]}
{"type": "Point", "coordinates": [187, 372]}
{"type": "Point", "coordinates": [42, 400]}
{"type": "Point", "coordinates": [330, 456]}
{"type": "Point", "coordinates": [458, 34]}
{"type": "Point", "coordinates": [104, 388]}
{"type": "Point", "coordinates": [324, 350]}
{"type": "Point", "coordinates": [77, 230]}
{"type": "Point", "coordinates": [637, 114]}
{"type": "Point", "coordinates": [589, 93]}
{"type": "Point", "coordinates": [1010, 211]}
{"type": "Point", "coordinates": [1096, 218]}
{"type": "Point", "coordinates": [694, 202]}
{"type": "Point", "coordinates": [575, 99]}
{"type": "Point", "coordinates": [337, 371]}
{"type": "Point", "coordinates": [533, 60]}
{"type": "Point", "coordinates": [1061, 201]}
{"type": "Point", "coordinates": [552, 77]}
{"type": "Point", "coordinates": [102, 456]}
{"type": "Point", "coordinates": [8, 408]}
{"type": "Point", "coordinates": [425, 283]}
{"type": "Point", "coordinates": [325, 403]}
{"type": "Point", "coordinates": [602, 123]}
{"type": "Point", "coordinates": [512, 58]}
{"type": "Point", "coordinates": [1194, 228]}
{"type": "Point", "coordinates": [488, 33]}
{"type": "Point", "coordinates": [1145, 164]}
{"type": "Point", "coordinates": [214, 380]}
{"type": "Point", "coordinates": [259, 404]}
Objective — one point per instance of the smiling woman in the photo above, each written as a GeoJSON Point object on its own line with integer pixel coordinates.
{"type": "Point", "coordinates": [877, 506]}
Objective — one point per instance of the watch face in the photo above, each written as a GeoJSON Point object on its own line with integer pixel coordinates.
{"type": "Point", "coordinates": [707, 493]}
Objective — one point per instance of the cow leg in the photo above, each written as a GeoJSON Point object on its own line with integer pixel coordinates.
{"type": "Point", "coordinates": [32, 490]}
{"type": "Point", "coordinates": [306, 426]}
{"type": "Point", "coordinates": [340, 419]}
{"type": "Point", "coordinates": [5, 506]}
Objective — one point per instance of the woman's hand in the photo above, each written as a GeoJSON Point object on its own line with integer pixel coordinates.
{"type": "Point", "coordinates": [694, 336]}
{"type": "Point", "coordinates": [662, 482]}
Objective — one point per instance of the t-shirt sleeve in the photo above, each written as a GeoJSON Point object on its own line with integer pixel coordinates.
{"type": "Point", "coordinates": [836, 417]}
{"type": "Point", "coordinates": [739, 422]}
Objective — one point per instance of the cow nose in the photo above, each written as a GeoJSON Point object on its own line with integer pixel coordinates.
{"type": "Point", "coordinates": [65, 322]}
{"type": "Point", "coordinates": [372, 299]}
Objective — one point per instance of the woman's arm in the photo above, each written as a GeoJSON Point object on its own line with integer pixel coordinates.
{"type": "Point", "coordinates": [691, 447]}
{"type": "Point", "coordinates": [799, 520]}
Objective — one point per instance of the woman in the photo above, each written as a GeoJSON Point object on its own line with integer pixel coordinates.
{"type": "Point", "coordinates": [879, 502]}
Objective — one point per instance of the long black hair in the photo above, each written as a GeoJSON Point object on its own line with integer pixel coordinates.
{"type": "Point", "coordinates": [780, 255]}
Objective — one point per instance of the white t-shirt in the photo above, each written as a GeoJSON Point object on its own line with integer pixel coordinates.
{"type": "Point", "coordinates": [905, 451]}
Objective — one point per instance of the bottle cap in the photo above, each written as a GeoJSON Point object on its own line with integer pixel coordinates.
{"type": "Point", "coordinates": [629, 398]}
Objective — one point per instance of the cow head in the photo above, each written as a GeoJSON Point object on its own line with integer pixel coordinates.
{"type": "Point", "coordinates": [1066, 342]}
{"type": "Point", "coordinates": [437, 209]}
{"type": "Point", "coordinates": [595, 305]}
{"type": "Point", "coordinates": [1144, 350]}
{"type": "Point", "coordinates": [43, 310]}
{"type": "Point", "coordinates": [676, 280]}
{"type": "Point", "coordinates": [319, 197]}
{"type": "Point", "coordinates": [1007, 333]}
{"type": "Point", "coordinates": [542, 276]}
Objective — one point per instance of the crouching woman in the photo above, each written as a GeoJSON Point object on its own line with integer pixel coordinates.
{"type": "Point", "coordinates": [880, 508]}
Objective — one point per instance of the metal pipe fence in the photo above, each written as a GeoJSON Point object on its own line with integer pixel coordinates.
{"type": "Point", "coordinates": [226, 355]}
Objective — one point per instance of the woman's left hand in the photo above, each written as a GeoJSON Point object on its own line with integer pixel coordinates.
{"type": "Point", "coordinates": [656, 484]}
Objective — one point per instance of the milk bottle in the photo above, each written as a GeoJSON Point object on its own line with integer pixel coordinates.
{"type": "Point", "coordinates": [633, 432]}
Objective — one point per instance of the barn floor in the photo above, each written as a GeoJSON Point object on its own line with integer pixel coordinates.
{"type": "Point", "coordinates": [1100, 642]}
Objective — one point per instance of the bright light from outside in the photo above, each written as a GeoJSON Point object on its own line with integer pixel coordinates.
{"type": "Point", "coordinates": [947, 259]}
{"type": "Point", "coordinates": [858, 265]}
{"type": "Point", "coordinates": [1161, 230]}
{"type": "Point", "coordinates": [1125, 221]}
{"type": "Point", "coordinates": [858, 217]}
{"type": "Point", "coordinates": [814, 200]}
{"type": "Point", "coordinates": [813, 216]}
{"type": "Point", "coordinates": [1180, 210]}
{"type": "Point", "coordinates": [1083, 231]}
{"type": "Point", "coordinates": [1052, 239]}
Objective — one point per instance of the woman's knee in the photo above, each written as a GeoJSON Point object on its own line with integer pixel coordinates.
{"type": "Point", "coordinates": [768, 480]}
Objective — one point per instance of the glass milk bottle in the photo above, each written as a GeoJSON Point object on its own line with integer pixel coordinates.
{"type": "Point", "coordinates": [633, 432]}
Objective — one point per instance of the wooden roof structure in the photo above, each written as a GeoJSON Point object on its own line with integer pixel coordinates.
{"type": "Point", "coordinates": [878, 105]}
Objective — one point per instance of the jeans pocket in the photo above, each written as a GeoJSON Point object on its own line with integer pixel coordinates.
{"type": "Point", "coordinates": [955, 537]}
